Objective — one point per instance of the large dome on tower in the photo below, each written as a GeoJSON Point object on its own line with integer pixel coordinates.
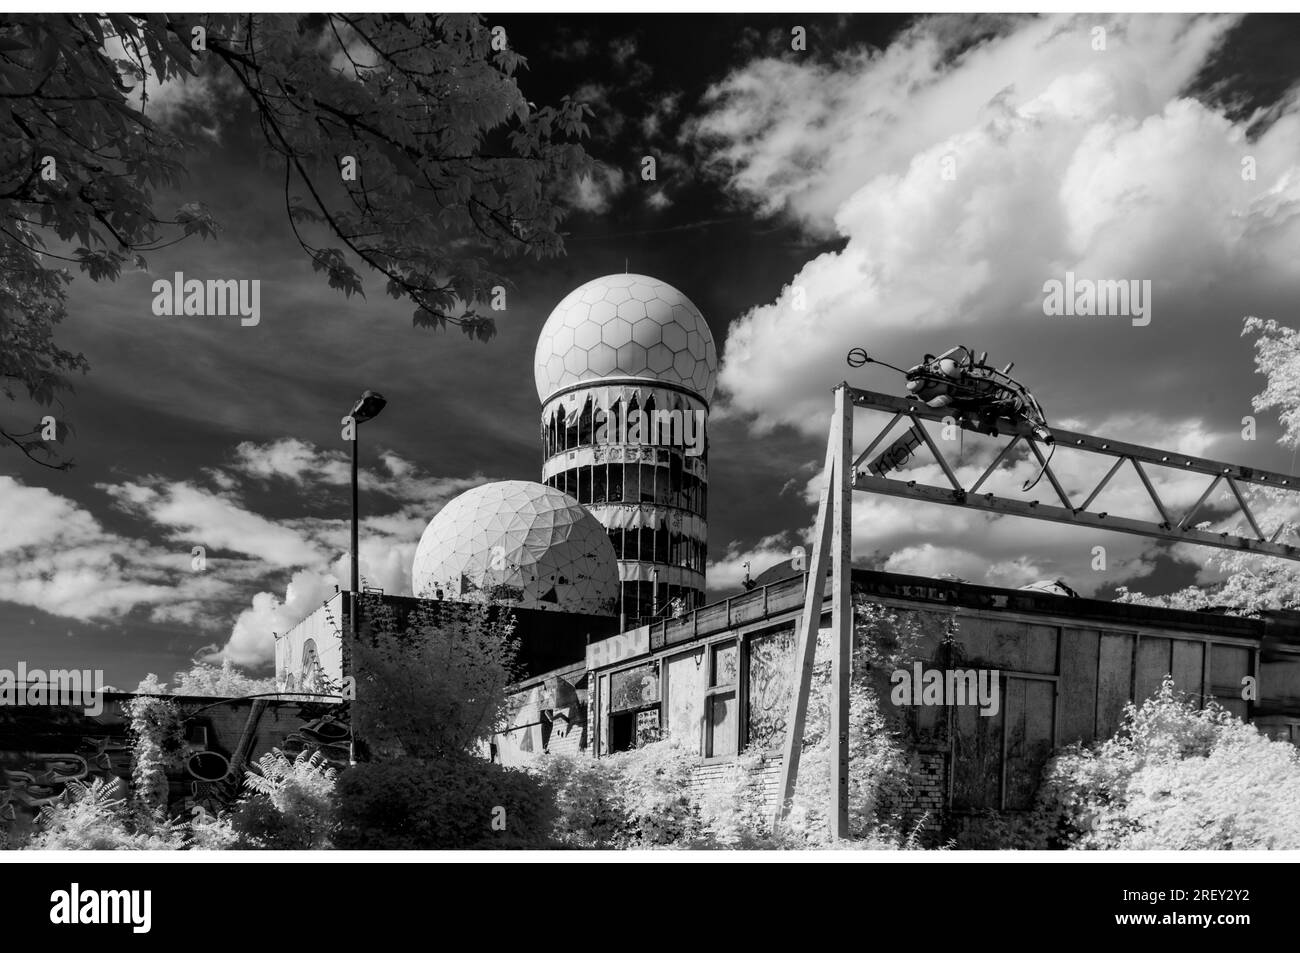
{"type": "Point", "coordinates": [630, 328]}
{"type": "Point", "coordinates": [520, 543]}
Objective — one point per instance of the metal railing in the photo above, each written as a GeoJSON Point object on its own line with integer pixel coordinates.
{"type": "Point", "coordinates": [755, 605]}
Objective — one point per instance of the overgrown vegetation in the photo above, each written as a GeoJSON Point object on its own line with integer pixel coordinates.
{"type": "Point", "coordinates": [98, 816]}
{"type": "Point", "coordinates": [157, 747]}
{"type": "Point", "coordinates": [878, 771]}
{"type": "Point", "coordinates": [635, 799]}
{"type": "Point", "coordinates": [456, 802]}
{"type": "Point", "coordinates": [646, 798]}
{"type": "Point", "coordinates": [292, 804]}
{"type": "Point", "coordinates": [1174, 777]}
{"type": "Point", "coordinates": [431, 687]}
{"type": "Point", "coordinates": [204, 678]}
{"type": "Point", "coordinates": [433, 684]}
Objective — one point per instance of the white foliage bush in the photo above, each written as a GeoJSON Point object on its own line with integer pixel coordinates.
{"type": "Point", "coordinates": [1174, 777]}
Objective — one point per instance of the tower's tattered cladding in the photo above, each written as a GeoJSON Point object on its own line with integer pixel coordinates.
{"type": "Point", "coordinates": [625, 370]}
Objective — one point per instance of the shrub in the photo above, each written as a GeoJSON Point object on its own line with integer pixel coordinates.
{"type": "Point", "coordinates": [433, 684]}
{"type": "Point", "coordinates": [634, 799]}
{"type": "Point", "coordinates": [292, 806]}
{"type": "Point", "coordinates": [644, 799]}
{"type": "Point", "coordinates": [158, 746]}
{"type": "Point", "coordinates": [654, 782]}
{"type": "Point", "coordinates": [204, 678]}
{"type": "Point", "coordinates": [1174, 777]}
{"type": "Point", "coordinates": [255, 824]}
{"type": "Point", "coordinates": [590, 809]}
{"type": "Point", "coordinates": [213, 833]}
{"type": "Point", "coordinates": [456, 802]}
{"type": "Point", "coordinates": [97, 817]}
{"type": "Point", "coordinates": [224, 681]}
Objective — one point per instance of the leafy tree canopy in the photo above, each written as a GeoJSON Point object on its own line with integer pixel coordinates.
{"type": "Point", "coordinates": [403, 144]}
{"type": "Point", "coordinates": [204, 678]}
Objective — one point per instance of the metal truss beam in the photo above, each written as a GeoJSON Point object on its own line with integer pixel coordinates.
{"type": "Point", "coordinates": [1068, 438]}
{"type": "Point", "coordinates": [1168, 528]}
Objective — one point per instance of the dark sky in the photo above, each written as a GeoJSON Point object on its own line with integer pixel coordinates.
{"type": "Point", "coordinates": [190, 432]}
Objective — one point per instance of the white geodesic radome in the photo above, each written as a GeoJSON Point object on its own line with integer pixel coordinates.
{"type": "Point", "coordinates": [626, 327]}
{"type": "Point", "coordinates": [519, 543]}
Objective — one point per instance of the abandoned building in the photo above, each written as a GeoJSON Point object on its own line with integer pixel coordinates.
{"type": "Point", "coordinates": [719, 680]}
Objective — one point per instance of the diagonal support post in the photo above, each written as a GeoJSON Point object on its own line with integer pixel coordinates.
{"type": "Point", "coordinates": [1051, 477]}
{"type": "Point", "coordinates": [938, 454]}
{"type": "Point", "coordinates": [997, 462]}
{"type": "Point", "coordinates": [1245, 507]}
{"type": "Point", "coordinates": [1151, 492]}
{"type": "Point", "coordinates": [831, 545]}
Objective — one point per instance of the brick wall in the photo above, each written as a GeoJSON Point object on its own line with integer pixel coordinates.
{"type": "Point", "coordinates": [922, 806]}
{"type": "Point", "coordinates": [569, 737]}
{"type": "Point", "coordinates": [924, 803]}
{"type": "Point", "coordinates": [721, 775]}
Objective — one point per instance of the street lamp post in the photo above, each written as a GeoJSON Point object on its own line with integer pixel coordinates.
{"type": "Point", "coordinates": [367, 408]}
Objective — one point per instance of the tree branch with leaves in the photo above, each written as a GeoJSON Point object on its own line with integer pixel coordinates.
{"type": "Point", "coordinates": [403, 142]}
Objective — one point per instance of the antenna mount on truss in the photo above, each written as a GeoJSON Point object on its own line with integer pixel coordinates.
{"type": "Point", "coordinates": [977, 395]}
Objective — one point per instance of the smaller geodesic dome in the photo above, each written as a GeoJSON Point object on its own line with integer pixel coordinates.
{"type": "Point", "coordinates": [518, 543]}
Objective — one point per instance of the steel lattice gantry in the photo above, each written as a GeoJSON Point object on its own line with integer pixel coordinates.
{"type": "Point", "coordinates": [833, 533]}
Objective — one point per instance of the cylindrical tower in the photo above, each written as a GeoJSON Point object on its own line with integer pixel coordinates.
{"type": "Point", "coordinates": [625, 370]}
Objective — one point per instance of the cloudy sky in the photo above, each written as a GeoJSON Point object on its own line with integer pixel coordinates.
{"type": "Point", "coordinates": [911, 182]}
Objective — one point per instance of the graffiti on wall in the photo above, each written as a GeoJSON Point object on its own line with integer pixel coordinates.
{"type": "Point", "coordinates": [634, 687]}
{"type": "Point", "coordinates": [536, 716]}
{"type": "Point", "coordinates": [770, 679]}
{"type": "Point", "coordinates": [44, 752]}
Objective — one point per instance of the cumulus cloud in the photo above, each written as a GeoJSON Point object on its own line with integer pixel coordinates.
{"type": "Point", "coordinates": [264, 572]}
{"type": "Point", "coordinates": [56, 557]}
{"type": "Point", "coordinates": [801, 136]}
{"type": "Point", "coordinates": [270, 614]}
{"type": "Point", "coordinates": [960, 174]}
{"type": "Point", "coordinates": [961, 184]}
{"type": "Point", "coordinates": [293, 460]}
{"type": "Point", "coordinates": [387, 543]}
{"type": "Point", "coordinates": [302, 464]}
{"type": "Point", "coordinates": [197, 516]}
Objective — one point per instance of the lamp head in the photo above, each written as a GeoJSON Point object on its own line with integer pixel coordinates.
{"type": "Point", "coordinates": [368, 407]}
